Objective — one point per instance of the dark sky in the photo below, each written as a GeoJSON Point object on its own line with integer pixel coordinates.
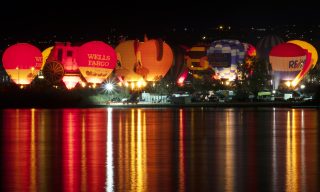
{"type": "Point", "coordinates": [94, 17]}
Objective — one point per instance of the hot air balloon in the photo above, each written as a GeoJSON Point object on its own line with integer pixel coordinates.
{"type": "Point", "coordinates": [156, 56]}
{"type": "Point", "coordinates": [22, 62]}
{"type": "Point", "coordinates": [287, 60]}
{"type": "Point", "coordinates": [127, 61]}
{"type": "Point", "coordinates": [62, 55]}
{"type": "Point", "coordinates": [224, 56]}
{"type": "Point", "coordinates": [96, 61]}
{"type": "Point", "coordinates": [179, 66]}
{"type": "Point", "coordinates": [197, 58]}
{"type": "Point", "coordinates": [308, 65]}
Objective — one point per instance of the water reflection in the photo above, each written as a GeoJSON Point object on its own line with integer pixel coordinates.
{"type": "Point", "coordinates": [196, 149]}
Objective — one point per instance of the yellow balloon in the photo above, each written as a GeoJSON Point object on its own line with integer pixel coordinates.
{"type": "Point", "coordinates": [45, 55]}
{"type": "Point", "coordinates": [310, 48]}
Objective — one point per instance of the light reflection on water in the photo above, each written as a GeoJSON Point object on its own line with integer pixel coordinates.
{"type": "Point", "coordinates": [196, 149]}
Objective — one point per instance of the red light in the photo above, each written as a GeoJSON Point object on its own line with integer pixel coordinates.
{"type": "Point", "coordinates": [71, 81]}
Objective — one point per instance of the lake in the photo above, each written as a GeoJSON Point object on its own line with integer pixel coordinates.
{"type": "Point", "coordinates": [160, 149]}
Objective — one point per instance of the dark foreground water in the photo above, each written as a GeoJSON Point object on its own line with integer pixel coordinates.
{"type": "Point", "coordinates": [188, 149]}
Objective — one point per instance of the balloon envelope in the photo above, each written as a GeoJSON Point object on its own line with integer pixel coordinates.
{"type": "Point", "coordinates": [96, 60]}
{"type": "Point", "coordinates": [224, 56]}
{"type": "Point", "coordinates": [287, 60]}
{"type": "Point", "coordinates": [127, 61]}
{"type": "Point", "coordinates": [197, 58]}
{"type": "Point", "coordinates": [22, 62]}
{"type": "Point", "coordinates": [157, 57]}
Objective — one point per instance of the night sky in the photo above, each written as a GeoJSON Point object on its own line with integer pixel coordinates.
{"type": "Point", "coordinates": [96, 18]}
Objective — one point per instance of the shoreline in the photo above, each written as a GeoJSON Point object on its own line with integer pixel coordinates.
{"type": "Point", "coordinates": [220, 105]}
{"type": "Point", "coordinates": [165, 105]}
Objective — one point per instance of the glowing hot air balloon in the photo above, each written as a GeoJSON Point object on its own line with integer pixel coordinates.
{"type": "Point", "coordinates": [287, 60]}
{"type": "Point", "coordinates": [156, 56]}
{"type": "Point", "coordinates": [224, 56]}
{"type": "Point", "coordinates": [127, 61]}
{"type": "Point", "coordinates": [96, 61]}
{"type": "Point", "coordinates": [61, 64]}
{"type": "Point", "coordinates": [22, 62]}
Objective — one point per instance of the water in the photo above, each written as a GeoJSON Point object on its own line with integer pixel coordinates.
{"type": "Point", "coordinates": [161, 149]}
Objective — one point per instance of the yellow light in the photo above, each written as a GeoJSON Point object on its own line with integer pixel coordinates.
{"type": "Point", "coordinates": [132, 85]}
{"type": "Point", "coordinates": [21, 86]}
{"type": "Point", "coordinates": [153, 84]}
{"type": "Point", "coordinates": [94, 85]}
{"type": "Point", "coordinates": [144, 83]}
{"type": "Point", "coordinates": [294, 83]}
{"type": "Point", "coordinates": [83, 84]}
{"type": "Point", "coordinates": [126, 84]}
{"type": "Point", "coordinates": [227, 83]}
{"type": "Point", "coordinates": [139, 84]}
{"type": "Point", "coordinates": [32, 68]}
{"type": "Point", "coordinates": [288, 83]}
{"type": "Point", "coordinates": [119, 84]}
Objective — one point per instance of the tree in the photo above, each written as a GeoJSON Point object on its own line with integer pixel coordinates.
{"type": "Point", "coordinates": [260, 77]}
{"type": "Point", "coordinates": [252, 77]}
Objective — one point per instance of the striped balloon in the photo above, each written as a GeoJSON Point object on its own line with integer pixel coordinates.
{"type": "Point", "coordinates": [224, 56]}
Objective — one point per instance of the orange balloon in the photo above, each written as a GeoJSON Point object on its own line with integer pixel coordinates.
{"type": "Point", "coordinates": [127, 61]}
{"type": "Point", "coordinates": [157, 57]}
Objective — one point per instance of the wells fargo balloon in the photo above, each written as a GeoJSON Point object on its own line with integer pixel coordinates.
{"type": "Point", "coordinates": [127, 61]}
{"type": "Point", "coordinates": [197, 58]}
{"type": "Point", "coordinates": [312, 52]}
{"type": "Point", "coordinates": [96, 60]}
{"type": "Point", "coordinates": [287, 60]}
{"type": "Point", "coordinates": [22, 62]}
{"type": "Point", "coordinates": [224, 56]}
{"type": "Point", "coordinates": [156, 56]}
